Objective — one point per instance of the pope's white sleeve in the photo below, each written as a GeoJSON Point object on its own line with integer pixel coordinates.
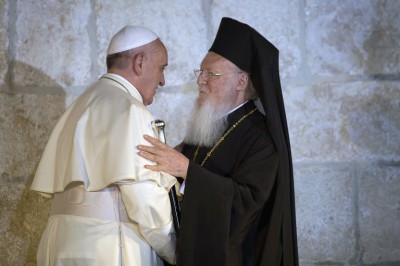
{"type": "Point", "coordinates": [148, 205]}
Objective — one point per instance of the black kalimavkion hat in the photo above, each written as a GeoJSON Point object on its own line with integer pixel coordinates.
{"type": "Point", "coordinates": [251, 52]}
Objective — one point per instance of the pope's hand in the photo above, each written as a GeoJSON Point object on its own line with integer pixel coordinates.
{"type": "Point", "coordinates": [167, 159]}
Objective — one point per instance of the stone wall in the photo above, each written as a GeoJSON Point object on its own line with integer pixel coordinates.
{"type": "Point", "coordinates": [340, 72]}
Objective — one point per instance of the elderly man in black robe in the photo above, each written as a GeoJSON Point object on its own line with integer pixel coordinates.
{"type": "Point", "coordinates": [235, 162]}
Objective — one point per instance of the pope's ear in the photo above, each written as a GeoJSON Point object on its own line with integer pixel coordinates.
{"type": "Point", "coordinates": [137, 64]}
{"type": "Point", "coordinates": [243, 81]}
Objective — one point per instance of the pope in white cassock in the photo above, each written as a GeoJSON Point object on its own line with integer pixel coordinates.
{"type": "Point", "coordinates": [107, 209]}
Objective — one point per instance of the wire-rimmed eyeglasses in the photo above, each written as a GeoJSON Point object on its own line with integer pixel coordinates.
{"type": "Point", "coordinates": [210, 75]}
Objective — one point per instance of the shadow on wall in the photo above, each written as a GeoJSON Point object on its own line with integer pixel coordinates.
{"type": "Point", "coordinates": [27, 120]}
{"type": "Point", "coordinates": [382, 50]}
{"type": "Point", "coordinates": [373, 126]}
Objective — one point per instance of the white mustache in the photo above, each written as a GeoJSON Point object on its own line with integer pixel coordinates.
{"type": "Point", "coordinates": [203, 89]}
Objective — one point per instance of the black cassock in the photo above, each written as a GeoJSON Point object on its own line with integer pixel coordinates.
{"type": "Point", "coordinates": [234, 202]}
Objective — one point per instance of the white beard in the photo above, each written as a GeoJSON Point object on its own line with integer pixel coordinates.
{"type": "Point", "coordinates": [207, 124]}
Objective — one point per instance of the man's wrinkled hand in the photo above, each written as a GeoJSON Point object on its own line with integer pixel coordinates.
{"type": "Point", "coordinates": [167, 159]}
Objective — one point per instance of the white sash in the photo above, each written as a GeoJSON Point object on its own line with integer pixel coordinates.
{"type": "Point", "coordinates": [105, 204]}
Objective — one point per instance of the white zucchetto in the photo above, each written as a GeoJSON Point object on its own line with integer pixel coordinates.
{"type": "Point", "coordinates": [130, 37]}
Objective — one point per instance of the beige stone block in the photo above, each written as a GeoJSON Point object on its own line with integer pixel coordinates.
{"type": "Point", "coordinates": [379, 204]}
{"type": "Point", "coordinates": [3, 67]}
{"type": "Point", "coordinates": [52, 44]}
{"type": "Point", "coordinates": [26, 122]}
{"type": "Point", "coordinates": [4, 39]}
{"type": "Point", "coordinates": [278, 21]}
{"type": "Point", "coordinates": [178, 23]}
{"type": "Point", "coordinates": [23, 219]}
{"type": "Point", "coordinates": [324, 209]}
{"type": "Point", "coordinates": [174, 106]}
{"type": "Point", "coordinates": [353, 37]}
{"type": "Point", "coordinates": [344, 121]}
{"type": "Point", "coordinates": [303, 262]}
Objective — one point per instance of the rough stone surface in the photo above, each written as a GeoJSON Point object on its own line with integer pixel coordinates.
{"type": "Point", "coordinates": [379, 188]}
{"type": "Point", "coordinates": [4, 40]}
{"type": "Point", "coordinates": [26, 121]}
{"type": "Point", "coordinates": [3, 67]}
{"type": "Point", "coordinates": [174, 107]}
{"type": "Point", "coordinates": [23, 220]}
{"type": "Point", "coordinates": [52, 44]}
{"type": "Point", "coordinates": [4, 25]}
{"type": "Point", "coordinates": [344, 121]}
{"type": "Point", "coordinates": [324, 208]}
{"type": "Point", "coordinates": [349, 38]}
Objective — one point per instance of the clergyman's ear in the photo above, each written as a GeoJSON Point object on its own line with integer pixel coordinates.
{"type": "Point", "coordinates": [242, 82]}
{"type": "Point", "coordinates": [137, 64]}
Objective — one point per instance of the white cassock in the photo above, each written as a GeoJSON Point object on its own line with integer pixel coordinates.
{"type": "Point", "coordinates": [107, 209]}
